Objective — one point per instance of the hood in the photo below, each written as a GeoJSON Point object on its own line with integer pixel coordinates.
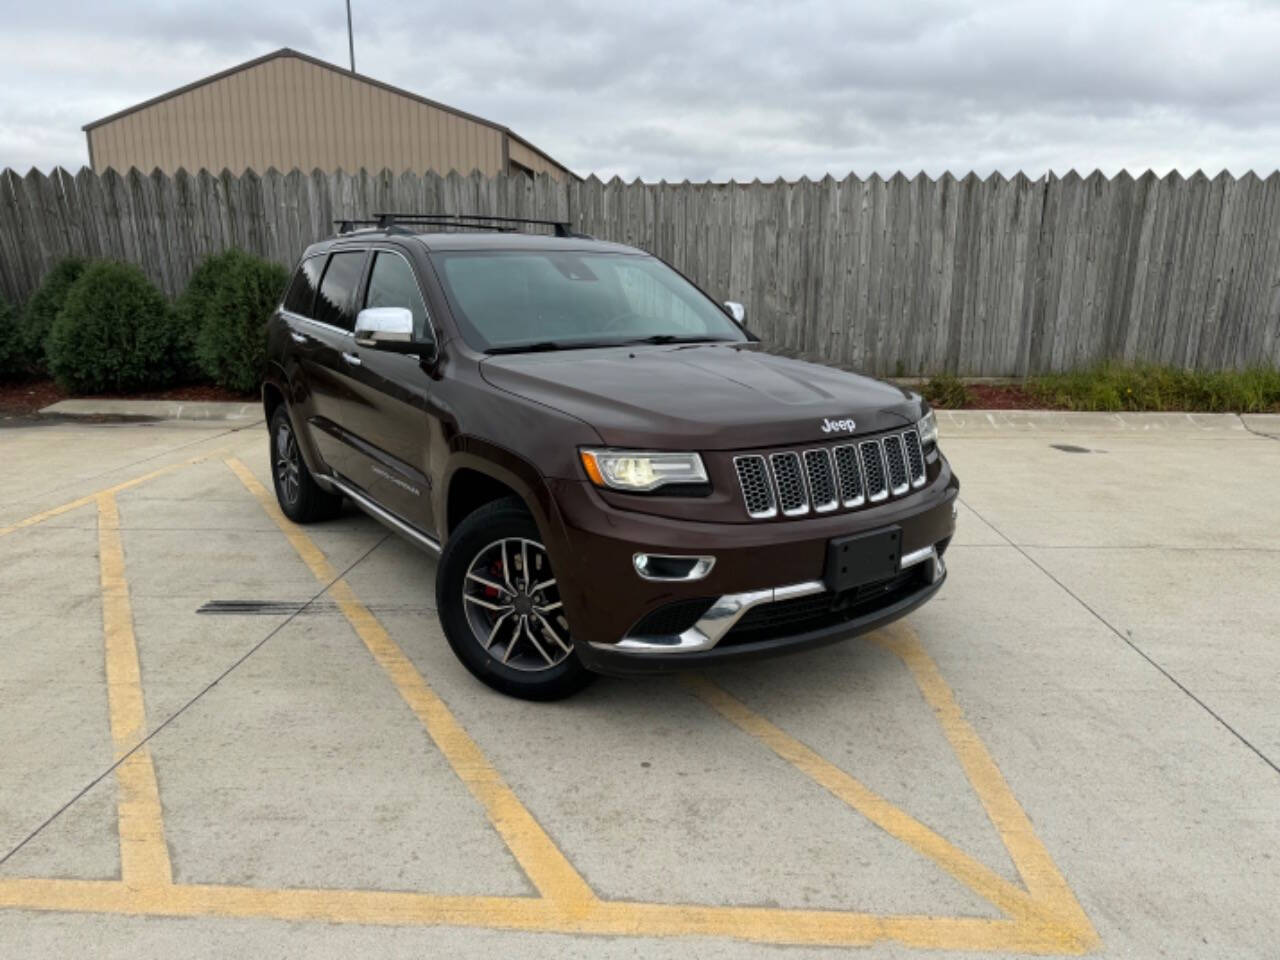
{"type": "Point", "coordinates": [702, 396]}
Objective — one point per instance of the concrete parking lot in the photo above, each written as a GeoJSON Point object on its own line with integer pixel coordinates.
{"type": "Point", "coordinates": [226, 734]}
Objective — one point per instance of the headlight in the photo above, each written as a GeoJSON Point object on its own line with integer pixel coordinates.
{"type": "Point", "coordinates": [928, 428]}
{"type": "Point", "coordinates": [640, 472]}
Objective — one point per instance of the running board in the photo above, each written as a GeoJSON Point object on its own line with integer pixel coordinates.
{"type": "Point", "coordinates": [384, 517]}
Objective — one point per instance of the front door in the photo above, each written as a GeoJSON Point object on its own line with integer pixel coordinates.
{"type": "Point", "coordinates": [392, 419]}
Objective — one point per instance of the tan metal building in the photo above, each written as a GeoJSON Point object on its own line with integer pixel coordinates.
{"type": "Point", "coordinates": [288, 110]}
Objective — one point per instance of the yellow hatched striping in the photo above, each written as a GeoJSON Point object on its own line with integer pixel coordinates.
{"type": "Point", "coordinates": [1044, 919]}
{"type": "Point", "coordinates": [1038, 871]}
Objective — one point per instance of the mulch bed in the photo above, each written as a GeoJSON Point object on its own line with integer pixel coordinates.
{"type": "Point", "coordinates": [27, 398]}
{"type": "Point", "coordinates": [990, 396]}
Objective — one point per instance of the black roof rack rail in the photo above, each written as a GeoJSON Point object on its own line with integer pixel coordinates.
{"type": "Point", "coordinates": [346, 226]}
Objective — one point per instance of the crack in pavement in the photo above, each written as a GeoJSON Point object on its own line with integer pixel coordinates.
{"type": "Point", "coordinates": [1258, 433]}
{"type": "Point", "coordinates": [181, 710]}
{"type": "Point", "coordinates": [1126, 638]}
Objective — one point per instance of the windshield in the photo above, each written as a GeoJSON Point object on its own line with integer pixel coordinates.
{"type": "Point", "coordinates": [508, 301]}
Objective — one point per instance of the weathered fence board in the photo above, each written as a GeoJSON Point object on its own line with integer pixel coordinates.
{"type": "Point", "coordinates": [972, 276]}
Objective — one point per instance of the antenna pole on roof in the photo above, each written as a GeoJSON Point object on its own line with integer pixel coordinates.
{"type": "Point", "coordinates": [351, 38]}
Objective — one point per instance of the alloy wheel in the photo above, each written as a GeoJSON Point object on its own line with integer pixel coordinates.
{"type": "Point", "coordinates": [513, 606]}
{"type": "Point", "coordinates": [288, 464]}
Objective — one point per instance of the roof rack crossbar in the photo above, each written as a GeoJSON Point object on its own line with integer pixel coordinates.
{"type": "Point", "coordinates": [559, 227]}
{"type": "Point", "coordinates": [392, 225]}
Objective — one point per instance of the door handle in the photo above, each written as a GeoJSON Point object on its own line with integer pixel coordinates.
{"type": "Point", "coordinates": [298, 337]}
{"type": "Point", "coordinates": [351, 358]}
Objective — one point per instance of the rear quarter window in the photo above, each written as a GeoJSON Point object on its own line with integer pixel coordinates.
{"type": "Point", "coordinates": [302, 289]}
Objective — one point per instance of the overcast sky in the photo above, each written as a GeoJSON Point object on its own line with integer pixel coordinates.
{"type": "Point", "coordinates": [715, 90]}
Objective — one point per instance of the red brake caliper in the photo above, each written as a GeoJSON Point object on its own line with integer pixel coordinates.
{"type": "Point", "coordinates": [497, 576]}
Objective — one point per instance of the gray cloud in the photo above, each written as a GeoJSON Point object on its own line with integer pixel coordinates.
{"type": "Point", "coordinates": [719, 89]}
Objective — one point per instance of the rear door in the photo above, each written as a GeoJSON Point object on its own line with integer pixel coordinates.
{"type": "Point", "coordinates": [300, 356]}
{"type": "Point", "coordinates": [332, 361]}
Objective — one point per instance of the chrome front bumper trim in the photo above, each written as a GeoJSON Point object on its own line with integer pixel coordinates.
{"type": "Point", "coordinates": [715, 623]}
{"type": "Point", "coordinates": [721, 617]}
{"type": "Point", "coordinates": [917, 556]}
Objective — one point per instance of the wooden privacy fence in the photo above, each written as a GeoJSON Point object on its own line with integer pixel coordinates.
{"type": "Point", "coordinates": [979, 277]}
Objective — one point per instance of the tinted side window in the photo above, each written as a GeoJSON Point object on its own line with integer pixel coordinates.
{"type": "Point", "coordinates": [336, 303]}
{"type": "Point", "coordinates": [392, 284]}
{"type": "Point", "coordinates": [302, 291]}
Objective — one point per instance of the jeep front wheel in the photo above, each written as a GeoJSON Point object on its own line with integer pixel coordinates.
{"type": "Point", "coordinates": [500, 605]}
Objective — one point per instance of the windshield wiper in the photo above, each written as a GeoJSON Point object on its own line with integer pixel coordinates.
{"type": "Point", "coordinates": [677, 338]}
{"type": "Point", "coordinates": [541, 346]}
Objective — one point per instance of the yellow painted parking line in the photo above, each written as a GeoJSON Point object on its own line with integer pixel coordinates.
{"type": "Point", "coordinates": [1044, 919]}
{"type": "Point", "coordinates": [87, 499]}
{"type": "Point", "coordinates": [547, 867]}
{"type": "Point", "coordinates": [144, 855]}
{"type": "Point", "coordinates": [778, 925]}
{"type": "Point", "coordinates": [1037, 869]}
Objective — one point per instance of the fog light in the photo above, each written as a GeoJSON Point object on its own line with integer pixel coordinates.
{"type": "Point", "coordinates": [654, 566]}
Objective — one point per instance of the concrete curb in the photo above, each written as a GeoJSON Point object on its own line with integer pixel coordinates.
{"type": "Point", "coordinates": [156, 409]}
{"type": "Point", "coordinates": [960, 423]}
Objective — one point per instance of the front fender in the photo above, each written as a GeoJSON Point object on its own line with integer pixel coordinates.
{"type": "Point", "coordinates": [509, 469]}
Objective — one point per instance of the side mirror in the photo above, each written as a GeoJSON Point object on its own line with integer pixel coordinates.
{"type": "Point", "coordinates": [378, 325]}
{"type": "Point", "coordinates": [390, 329]}
{"type": "Point", "coordinates": [736, 310]}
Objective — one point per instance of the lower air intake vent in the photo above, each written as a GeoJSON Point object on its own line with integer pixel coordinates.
{"type": "Point", "coordinates": [672, 619]}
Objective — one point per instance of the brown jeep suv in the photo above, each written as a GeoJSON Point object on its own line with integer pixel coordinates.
{"type": "Point", "coordinates": [617, 477]}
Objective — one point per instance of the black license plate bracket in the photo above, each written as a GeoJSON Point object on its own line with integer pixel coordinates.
{"type": "Point", "coordinates": [863, 558]}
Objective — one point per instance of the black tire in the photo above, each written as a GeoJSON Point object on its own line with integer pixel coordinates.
{"type": "Point", "coordinates": [297, 492]}
{"type": "Point", "coordinates": [489, 529]}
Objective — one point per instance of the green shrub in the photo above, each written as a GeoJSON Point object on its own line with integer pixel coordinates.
{"type": "Point", "coordinates": [11, 359]}
{"type": "Point", "coordinates": [36, 320]}
{"type": "Point", "coordinates": [947, 391]}
{"type": "Point", "coordinates": [114, 333]}
{"type": "Point", "coordinates": [1114, 388]}
{"type": "Point", "coordinates": [231, 345]}
{"type": "Point", "coordinates": [192, 306]}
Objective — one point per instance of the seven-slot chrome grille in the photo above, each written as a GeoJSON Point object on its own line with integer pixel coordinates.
{"type": "Point", "coordinates": [822, 479]}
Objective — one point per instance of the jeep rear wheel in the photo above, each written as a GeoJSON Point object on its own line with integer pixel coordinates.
{"type": "Point", "coordinates": [500, 606]}
{"type": "Point", "coordinates": [299, 496]}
